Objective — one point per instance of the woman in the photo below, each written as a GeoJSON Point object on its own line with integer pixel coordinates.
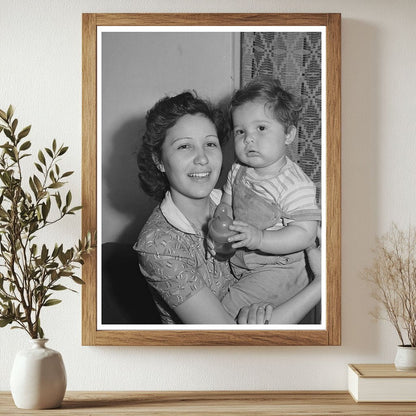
{"type": "Point", "coordinates": [179, 164]}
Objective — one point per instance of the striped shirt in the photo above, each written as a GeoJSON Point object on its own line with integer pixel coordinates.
{"type": "Point", "coordinates": [290, 189]}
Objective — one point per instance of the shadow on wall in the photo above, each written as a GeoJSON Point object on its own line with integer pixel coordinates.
{"type": "Point", "coordinates": [361, 186]}
{"type": "Point", "coordinates": [125, 199]}
{"type": "Point", "coordinates": [124, 193]}
{"type": "Point", "coordinates": [126, 298]}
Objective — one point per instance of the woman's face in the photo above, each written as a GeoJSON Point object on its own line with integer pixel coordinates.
{"type": "Point", "coordinates": [191, 157]}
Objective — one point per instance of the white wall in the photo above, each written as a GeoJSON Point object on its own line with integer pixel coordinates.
{"type": "Point", "coordinates": [40, 73]}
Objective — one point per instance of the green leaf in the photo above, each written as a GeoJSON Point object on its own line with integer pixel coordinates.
{"type": "Point", "coordinates": [67, 174]}
{"type": "Point", "coordinates": [25, 145]}
{"type": "Point", "coordinates": [56, 185]}
{"type": "Point", "coordinates": [59, 287]}
{"type": "Point", "coordinates": [54, 145]}
{"type": "Point", "coordinates": [33, 187]}
{"type": "Point", "coordinates": [3, 115]}
{"type": "Point", "coordinates": [44, 253]}
{"type": "Point", "coordinates": [77, 280]}
{"type": "Point", "coordinates": [40, 332]}
{"type": "Point", "coordinates": [37, 182]}
{"type": "Point", "coordinates": [5, 321]}
{"type": "Point", "coordinates": [24, 132]}
{"type": "Point", "coordinates": [57, 250]}
{"type": "Point", "coordinates": [8, 133]}
{"type": "Point", "coordinates": [25, 155]}
{"type": "Point", "coordinates": [58, 199]}
{"type": "Point", "coordinates": [10, 112]}
{"type": "Point", "coordinates": [68, 199]}
{"type": "Point", "coordinates": [49, 152]}
{"type": "Point", "coordinates": [45, 210]}
{"type": "Point", "coordinates": [62, 257]}
{"type": "Point", "coordinates": [34, 226]}
{"type": "Point", "coordinates": [77, 208]}
{"type": "Point", "coordinates": [14, 125]}
{"type": "Point", "coordinates": [51, 302]}
{"type": "Point", "coordinates": [15, 153]}
{"type": "Point", "coordinates": [41, 158]}
{"type": "Point", "coordinates": [54, 276]}
{"type": "Point", "coordinates": [63, 150]}
{"type": "Point", "coordinates": [39, 167]}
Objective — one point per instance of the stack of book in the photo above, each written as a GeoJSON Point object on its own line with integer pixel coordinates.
{"type": "Point", "coordinates": [381, 383]}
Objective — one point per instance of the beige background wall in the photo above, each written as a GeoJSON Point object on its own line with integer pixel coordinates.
{"type": "Point", "coordinates": [40, 73]}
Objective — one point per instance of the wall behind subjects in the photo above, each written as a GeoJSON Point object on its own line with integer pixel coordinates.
{"type": "Point", "coordinates": [41, 77]}
{"type": "Point", "coordinates": [177, 62]}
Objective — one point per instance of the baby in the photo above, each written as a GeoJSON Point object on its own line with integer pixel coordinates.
{"type": "Point", "coordinates": [272, 200]}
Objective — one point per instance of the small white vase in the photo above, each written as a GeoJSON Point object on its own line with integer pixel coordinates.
{"type": "Point", "coordinates": [405, 358]}
{"type": "Point", "coordinates": [38, 377]}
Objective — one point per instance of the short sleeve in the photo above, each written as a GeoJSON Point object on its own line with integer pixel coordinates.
{"type": "Point", "coordinates": [170, 263]}
{"type": "Point", "coordinates": [175, 277]}
{"type": "Point", "coordinates": [298, 200]}
{"type": "Point", "coordinates": [228, 186]}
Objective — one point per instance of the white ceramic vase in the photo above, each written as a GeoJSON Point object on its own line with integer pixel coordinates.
{"type": "Point", "coordinates": [38, 377]}
{"type": "Point", "coordinates": [405, 358]}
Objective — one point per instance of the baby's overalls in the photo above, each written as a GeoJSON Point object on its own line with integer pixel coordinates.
{"type": "Point", "coordinates": [262, 276]}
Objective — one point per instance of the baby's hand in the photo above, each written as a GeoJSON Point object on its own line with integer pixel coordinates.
{"type": "Point", "coordinates": [248, 236]}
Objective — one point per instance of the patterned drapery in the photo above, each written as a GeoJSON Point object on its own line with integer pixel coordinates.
{"type": "Point", "coordinates": [295, 59]}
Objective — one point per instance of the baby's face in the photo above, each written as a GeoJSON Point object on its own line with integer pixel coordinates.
{"type": "Point", "coordinates": [259, 138]}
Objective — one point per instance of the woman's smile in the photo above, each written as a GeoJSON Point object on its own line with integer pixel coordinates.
{"type": "Point", "coordinates": [199, 175]}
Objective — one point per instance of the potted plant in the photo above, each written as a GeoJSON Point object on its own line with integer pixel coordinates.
{"type": "Point", "coordinates": [31, 273]}
{"type": "Point", "coordinates": [393, 277]}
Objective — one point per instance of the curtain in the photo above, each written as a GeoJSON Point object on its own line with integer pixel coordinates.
{"type": "Point", "coordinates": [295, 59]}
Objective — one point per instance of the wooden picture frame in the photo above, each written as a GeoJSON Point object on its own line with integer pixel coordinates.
{"type": "Point", "coordinates": [330, 331]}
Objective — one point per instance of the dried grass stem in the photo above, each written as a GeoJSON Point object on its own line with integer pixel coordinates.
{"type": "Point", "coordinates": [393, 277]}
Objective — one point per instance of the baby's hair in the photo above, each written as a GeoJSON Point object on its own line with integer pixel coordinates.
{"type": "Point", "coordinates": [161, 117]}
{"type": "Point", "coordinates": [286, 107]}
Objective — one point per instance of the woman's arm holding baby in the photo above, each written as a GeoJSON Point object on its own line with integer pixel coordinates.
{"type": "Point", "coordinates": [294, 310]}
{"type": "Point", "coordinates": [205, 308]}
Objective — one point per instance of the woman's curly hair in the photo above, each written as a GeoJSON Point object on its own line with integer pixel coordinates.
{"type": "Point", "coordinates": [161, 117]}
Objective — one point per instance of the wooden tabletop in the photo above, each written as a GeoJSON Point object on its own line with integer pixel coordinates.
{"type": "Point", "coordinates": [180, 403]}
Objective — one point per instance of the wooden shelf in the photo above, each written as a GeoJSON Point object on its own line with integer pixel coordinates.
{"type": "Point", "coordinates": [180, 403]}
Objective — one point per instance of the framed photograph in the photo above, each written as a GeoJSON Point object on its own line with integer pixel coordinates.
{"type": "Point", "coordinates": [130, 62]}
